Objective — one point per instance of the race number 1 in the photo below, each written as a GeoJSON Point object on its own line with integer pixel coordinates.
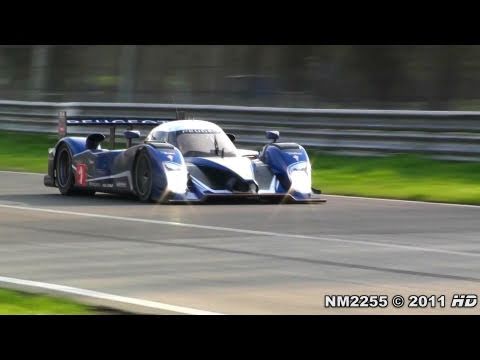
{"type": "Point", "coordinates": [81, 175]}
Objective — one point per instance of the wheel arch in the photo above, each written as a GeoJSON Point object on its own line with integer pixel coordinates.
{"type": "Point", "coordinates": [157, 154]}
{"type": "Point", "coordinates": [76, 145]}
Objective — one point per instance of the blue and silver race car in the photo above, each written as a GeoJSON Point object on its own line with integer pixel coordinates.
{"type": "Point", "coordinates": [180, 161]}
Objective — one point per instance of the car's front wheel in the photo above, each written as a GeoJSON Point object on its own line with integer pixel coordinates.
{"type": "Point", "coordinates": [143, 177]}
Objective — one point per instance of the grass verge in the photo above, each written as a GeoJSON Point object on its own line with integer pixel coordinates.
{"type": "Point", "coordinates": [20, 303]}
{"type": "Point", "coordinates": [25, 152]}
{"type": "Point", "coordinates": [398, 177]}
{"type": "Point", "coordinates": [409, 177]}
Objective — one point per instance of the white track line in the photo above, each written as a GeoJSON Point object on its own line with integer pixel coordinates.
{"type": "Point", "coordinates": [105, 296]}
{"type": "Point", "coordinates": [403, 201]}
{"type": "Point", "coordinates": [19, 172]}
{"type": "Point", "coordinates": [243, 231]}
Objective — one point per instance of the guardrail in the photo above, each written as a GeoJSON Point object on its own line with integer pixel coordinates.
{"type": "Point", "coordinates": [445, 134]}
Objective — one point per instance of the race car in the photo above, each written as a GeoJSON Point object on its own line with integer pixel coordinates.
{"type": "Point", "coordinates": [180, 161]}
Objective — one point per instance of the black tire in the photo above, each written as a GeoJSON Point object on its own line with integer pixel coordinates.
{"type": "Point", "coordinates": [143, 179]}
{"type": "Point", "coordinates": [65, 177]}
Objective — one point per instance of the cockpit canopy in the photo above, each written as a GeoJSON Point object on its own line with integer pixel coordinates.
{"type": "Point", "coordinates": [194, 138]}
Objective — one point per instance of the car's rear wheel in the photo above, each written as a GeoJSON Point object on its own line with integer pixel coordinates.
{"type": "Point", "coordinates": [143, 177]}
{"type": "Point", "coordinates": [65, 177]}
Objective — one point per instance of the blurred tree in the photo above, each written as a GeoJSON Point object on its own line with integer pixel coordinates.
{"type": "Point", "coordinates": [382, 71]}
{"type": "Point", "coordinates": [39, 71]}
{"type": "Point", "coordinates": [127, 69]}
{"type": "Point", "coordinates": [295, 57]}
{"type": "Point", "coordinates": [445, 62]}
{"type": "Point", "coordinates": [403, 76]}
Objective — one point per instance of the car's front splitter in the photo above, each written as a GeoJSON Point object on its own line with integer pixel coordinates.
{"type": "Point", "coordinates": [248, 198]}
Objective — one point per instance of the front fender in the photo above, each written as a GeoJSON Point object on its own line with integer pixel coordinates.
{"type": "Point", "coordinates": [169, 169]}
{"type": "Point", "coordinates": [291, 165]}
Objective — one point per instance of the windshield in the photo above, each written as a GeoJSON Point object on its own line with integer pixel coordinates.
{"type": "Point", "coordinates": [204, 143]}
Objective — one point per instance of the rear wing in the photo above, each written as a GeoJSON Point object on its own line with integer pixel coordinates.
{"type": "Point", "coordinates": [111, 122]}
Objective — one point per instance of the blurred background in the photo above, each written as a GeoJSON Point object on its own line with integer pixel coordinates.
{"type": "Point", "coordinates": [421, 77]}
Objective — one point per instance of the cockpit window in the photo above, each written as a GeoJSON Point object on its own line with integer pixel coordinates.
{"type": "Point", "coordinates": [198, 142]}
{"type": "Point", "coordinates": [160, 136]}
{"type": "Point", "coordinates": [204, 143]}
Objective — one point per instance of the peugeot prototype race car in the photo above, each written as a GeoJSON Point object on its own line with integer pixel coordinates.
{"type": "Point", "coordinates": [180, 161]}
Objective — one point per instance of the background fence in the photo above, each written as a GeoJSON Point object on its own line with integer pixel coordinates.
{"type": "Point", "coordinates": [443, 134]}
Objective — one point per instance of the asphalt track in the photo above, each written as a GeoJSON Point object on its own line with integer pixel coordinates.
{"type": "Point", "coordinates": [234, 259]}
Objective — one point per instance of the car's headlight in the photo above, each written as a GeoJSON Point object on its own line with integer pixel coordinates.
{"type": "Point", "coordinates": [172, 166]}
{"type": "Point", "coordinates": [176, 177]}
{"type": "Point", "coordinates": [300, 176]}
{"type": "Point", "coordinates": [299, 166]}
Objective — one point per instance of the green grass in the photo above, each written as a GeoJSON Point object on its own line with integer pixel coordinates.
{"type": "Point", "coordinates": [20, 303]}
{"type": "Point", "coordinates": [400, 177]}
{"type": "Point", "coordinates": [25, 152]}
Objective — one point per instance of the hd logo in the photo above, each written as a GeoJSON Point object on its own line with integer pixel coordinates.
{"type": "Point", "coordinates": [464, 300]}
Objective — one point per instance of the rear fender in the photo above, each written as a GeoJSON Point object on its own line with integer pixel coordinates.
{"type": "Point", "coordinates": [76, 145]}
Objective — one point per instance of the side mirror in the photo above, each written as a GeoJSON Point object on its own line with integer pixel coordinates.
{"type": "Point", "coordinates": [272, 135]}
{"type": "Point", "coordinates": [231, 137]}
{"type": "Point", "coordinates": [131, 134]}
